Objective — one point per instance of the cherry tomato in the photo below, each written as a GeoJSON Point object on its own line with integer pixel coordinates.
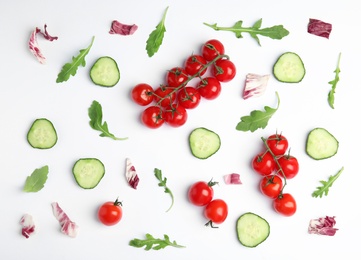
{"type": "Point", "coordinates": [271, 186]}
{"type": "Point", "coordinates": [164, 95]}
{"type": "Point", "coordinates": [201, 193]}
{"type": "Point", "coordinates": [278, 144]}
{"type": "Point", "coordinates": [209, 88]}
{"type": "Point", "coordinates": [289, 165]}
{"type": "Point", "coordinates": [224, 70]}
{"type": "Point", "coordinates": [211, 49]}
{"type": "Point", "coordinates": [194, 64]}
{"type": "Point", "coordinates": [175, 115]}
{"type": "Point", "coordinates": [142, 94]}
{"type": "Point", "coordinates": [110, 213]}
{"type": "Point", "coordinates": [152, 117]}
{"type": "Point", "coordinates": [263, 163]}
{"type": "Point", "coordinates": [216, 211]}
{"type": "Point", "coordinates": [176, 77]}
{"type": "Point", "coordinates": [189, 97]}
{"type": "Point", "coordinates": [285, 204]}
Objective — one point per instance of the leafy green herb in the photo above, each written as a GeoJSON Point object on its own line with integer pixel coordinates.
{"type": "Point", "coordinates": [257, 118]}
{"type": "Point", "coordinates": [36, 180]}
{"type": "Point", "coordinates": [323, 190]}
{"type": "Point", "coordinates": [96, 121]}
{"type": "Point", "coordinates": [275, 32]}
{"type": "Point", "coordinates": [331, 94]}
{"type": "Point", "coordinates": [153, 243]}
{"type": "Point", "coordinates": [70, 69]}
{"type": "Point", "coordinates": [163, 183]}
{"type": "Point", "coordinates": [156, 37]}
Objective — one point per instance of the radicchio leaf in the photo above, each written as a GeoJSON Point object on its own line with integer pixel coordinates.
{"type": "Point", "coordinates": [322, 226]}
{"type": "Point", "coordinates": [68, 227]}
{"type": "Point", "coordinates": [255, 85]}
{"type": "Point", "coordinates": [122, 29]}
{"type": "Point", "coordinates": [233, 178]}
{"type": "Point", "coordinates": [319, 28]}
{"type": "Point", "coordinates": [131, 174]}
{"type": "Point", "coordinates": [33, 43]}
{"type": "Point", "coordinates": [28, 225]}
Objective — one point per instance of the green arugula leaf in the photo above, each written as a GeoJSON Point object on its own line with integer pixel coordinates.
{"type": "Point", "coordinates": [323, 190]}
{"type": "Point", "coordinates": [96, 121]}
{"type": "Point", "coordinates": [163, 183]}
{"type": "Point", "coordinates": [36, 180]}
{"type": "Point", "coordinates": [70, 69]}
{"type": "Point", "coordinates": [257, 119]}
{"type": "Point", "coordinates": [331, 94]}
{"type": "Point", "coordinates": [275, 32]}
{"type": "Point", "coordinates": [153, 243]}
{"type": "Point", "coordinates": [155, 39]}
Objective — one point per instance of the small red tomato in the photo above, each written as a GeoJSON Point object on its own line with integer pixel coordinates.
{"type": "Point", "coordinates": [264, 163]}
{"type": "Point", "coordinates": [189, 97]}
{"type": "Point", "coordinates": [209, 88]}
{"type": "Point", "coordinates": [278, 144]}
{"type": "Point", "coordinates": [176, 77]}
{"type": "Point", "coordinates": [201, 193]}
{"type": "Point", "coordinates": [285, 204]}
{"type": "Point", "coordinates": [271, 186]}
{"type": "Point", "coordinates": [195, 64]}
{"type": "Point", "coordinates": [175, 115]}
{"type": "Point", "coordinates": [110, 213]}
{"type": "Point", "coordinates": [164, 95]}
{"type": "Point", "coordinates": [152, 117]}
{"type": "Point", "coordinates": [211, 49]}
{"type": "Point", "coordinates": [216, 211]}
{"type": "Point", "coordinates": [289, 165]}
{"type": "Point", "coordinates": [224, 70]}
{"type": "Point", "coordinates": [142, 94]}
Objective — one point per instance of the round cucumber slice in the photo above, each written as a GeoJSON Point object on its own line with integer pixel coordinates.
{"type": "Point", "coordinates": [321, 144]}
{"type": "Point", "coordinates": [42, 134]}
{"type": "Point", "coordinates": [88, 172]}
{"type": "Point", "coordinates": [289, 68]}
{"type": "Point", "coordinates": [105, 72]}
{"type": "Point", "coordinates": [204, 142]}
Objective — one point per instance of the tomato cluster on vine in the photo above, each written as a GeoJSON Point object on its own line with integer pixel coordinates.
{"type": "Point", "coordinates": [201, 194]}
{"type": "Point", "coordinates": [276, 165]}
{"type": "Point", "coordinates": [169, 103]}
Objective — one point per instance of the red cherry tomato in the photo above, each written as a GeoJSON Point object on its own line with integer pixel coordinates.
{"type": "Point", "coordinates": [142, 94]}
{"type": "Point", "coordinates": [201, 193]}
{"type": "Point", "coordinates": [278, 144]}
{"type": "Point", "coordinates": [110, 213]}
{"type": "Point", "coordinates": [176, 77]}
{"type": "Point", "coordinates": [264, 163]}
{"type": "Point", "coordinates": [189, 97]}
{"type": "Point", "coordinates": [224, 70]}
{"type": "Point", "coordinates": [285, 204]}
{"type": "Point", "coordinates": [175, 115]}
{"type": "Point", "coordinates": [289, 165]}
{"type": "Point", "coordinates": [209, 88]}
{"type": "Point", "coordinates": [152, 117]}
{"type": "Point", "coordinates": [271, 186]}
{"type": "Point", "coordinates": [211, 49]}
{"type": "Point", "coordinates": [164, 96]}
{"type": "Point", "coordinates": [194, 64]}
{"type": "Point", "coordinates": [216, 211]}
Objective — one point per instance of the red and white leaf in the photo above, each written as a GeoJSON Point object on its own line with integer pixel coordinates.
{"type": "Point", "coordinates": [28, 225]}
{"type": "Point", "coordinates": [68, 227]}
{"type": "Point", "coordinates": [122, 29]}
{"type": "Point", "coordinates": [131, 174]}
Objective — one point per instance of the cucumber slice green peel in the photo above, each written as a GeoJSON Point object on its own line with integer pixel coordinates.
{"type": "Point", "coordinates": [42, 134]}
{"type": "Point", "coordinates": [289, 68]}
{"type": "Point", "coordinates": [105, 72]}
{"type": "Point", "coordinates": [252, 229]}
{"type": "Point", "coordinates": [204, 142]}
{"type": "Point", "coordinates": [88, 172]}
{"type": "Point", "coordinates": [321, 144]}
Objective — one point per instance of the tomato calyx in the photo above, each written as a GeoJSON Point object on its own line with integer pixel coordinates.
{"type": "Point", "coordinates": [212, 183]}
{"type": "Point", "coordinates": [210, 224]}
{"type": "Point", "coordinates": [118, 203]}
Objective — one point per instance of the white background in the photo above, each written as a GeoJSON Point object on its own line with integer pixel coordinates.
{"type": "Point", "coordinates": [29, 91]}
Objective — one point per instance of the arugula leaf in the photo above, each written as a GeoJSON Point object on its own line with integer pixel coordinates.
{"type": "Point", "coordinates": [70, 69]}
{"type": "Point", "coordinates": [36, 180]}
{"type": "Point", "coordinates": [257, 119]}
{"type": "Point", "coordinates": [323, 190]}
{"type": "Point", "coordinates": [275, 32]}
{"type": "Point", "coordinates": [96, 121]}
{"type": "Point", "coordinates": [153, 243]}
{"type": "Point", "coordinates": [156, 37]}
{"type": "Point", "coordinates": [163, 183]}
{"type": "Point", "coordinates": [331, 94]}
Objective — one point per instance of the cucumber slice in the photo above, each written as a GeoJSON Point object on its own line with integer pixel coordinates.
{"type": "Point", "coordinates": [88, 172]}
{"type": "Point", "coordinates": [105, 72]}
{"type": "Point", "coordinates": [252, 229]}
{"type": "Point", "coordinates": [42, 134]}
{"type": "Point", "coordinates": [204, 142]}
{"type": "Point", "coordinates": [289, 68]}
{"type": "Point", "coordinates": [321, 144]}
